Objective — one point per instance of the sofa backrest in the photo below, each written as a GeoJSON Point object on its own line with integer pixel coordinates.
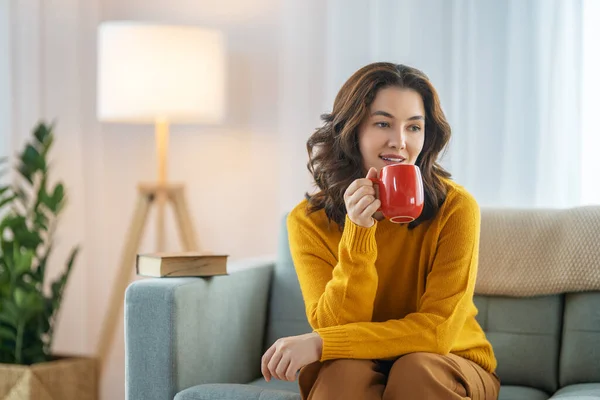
{"type": "Point", "coordinates": [544, 342]}
{"type": "Point", "coordinates": [555, 333]}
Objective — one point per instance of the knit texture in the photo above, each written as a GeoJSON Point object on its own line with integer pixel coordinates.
{"type": "Point", "coordinates": [385, 291]}
{"type": "Point", "coordinates": [539, 252]}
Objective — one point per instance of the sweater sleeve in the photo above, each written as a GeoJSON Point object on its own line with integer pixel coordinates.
{"type": "Point", "coordinates": [337, 289]}
{"type": "Point", "coordinates": [442, 310]}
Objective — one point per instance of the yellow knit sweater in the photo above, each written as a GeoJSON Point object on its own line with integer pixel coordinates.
{"type": "Point", "coordinates": [386, 291]}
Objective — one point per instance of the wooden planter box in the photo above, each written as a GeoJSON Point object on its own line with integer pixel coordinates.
{"type": "Point", "coordinates": [66, 378]}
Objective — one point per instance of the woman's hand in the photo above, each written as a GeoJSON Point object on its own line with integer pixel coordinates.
{"type": "Point", "coordinates": [287, 355]}
{"type": "Point", "coordinates": [360, 200]}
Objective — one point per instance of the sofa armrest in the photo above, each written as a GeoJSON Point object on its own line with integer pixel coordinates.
{"type": "Point", "coordinates": [181, 332]}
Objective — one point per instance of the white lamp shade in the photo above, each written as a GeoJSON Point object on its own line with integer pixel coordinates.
{"type": "Point", "coordinates": [156, 72]}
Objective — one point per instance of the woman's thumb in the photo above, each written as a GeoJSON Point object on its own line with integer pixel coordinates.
{"type": "Point", "coordinates": [372, 173]}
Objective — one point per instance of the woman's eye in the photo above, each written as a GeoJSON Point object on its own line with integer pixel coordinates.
{"type": "Point", "coordinates": [415, 128]}
{"type": "Point", "coordinates": [382, 124]}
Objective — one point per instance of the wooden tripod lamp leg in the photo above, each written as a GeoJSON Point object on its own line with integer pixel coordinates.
{"type": "Point", "coordinates": [161, 130]}
{"type": "Point", "coordinates": [161, 202]}
{"type": "Point", "coordinates": [184, 222]}
{"type": "Point", "coordinates": [134, 236]}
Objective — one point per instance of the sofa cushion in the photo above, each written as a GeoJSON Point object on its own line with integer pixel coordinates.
{"type": "Point", "coordinates": [524, 333]}
{"type": "Point", "coordinates": [580, 352]}
{"type": "Point", "coordinates": [232, 391]}
{"type": "Point", "coordinates": [276, 384]}
{"type": "Point", "coordinates": [584, 391]}
{"type": "Point", "coordinates": [521, 393]}
{"type": "Point", "coordinates": [282, 390]}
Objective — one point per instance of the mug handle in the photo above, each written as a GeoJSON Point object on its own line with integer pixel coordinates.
{"type": "Point", "coordinates": [378, 183]}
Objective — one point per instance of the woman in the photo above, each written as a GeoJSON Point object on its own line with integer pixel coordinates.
{"type": "Point", "coordinates": [391, 305]}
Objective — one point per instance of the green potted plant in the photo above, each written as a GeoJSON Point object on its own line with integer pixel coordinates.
{"type": "Point", "coordinates": [29, 304]}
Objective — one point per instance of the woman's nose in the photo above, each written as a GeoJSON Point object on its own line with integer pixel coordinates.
{"type": "Point", "coordinates": [397, 140]}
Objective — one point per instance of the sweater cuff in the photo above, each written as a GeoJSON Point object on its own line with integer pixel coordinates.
{"type": "Point", "coordinates": [358, 238]}
{"type": "Point", "coordinates": [335, 343]}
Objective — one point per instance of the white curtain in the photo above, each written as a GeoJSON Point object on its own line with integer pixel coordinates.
{"type": "Point", "coordinates": [508, 74]}
{"type": "Point", "coordinates": [5, 89]}
{"type": "Point", "coordinates": [590, 162]}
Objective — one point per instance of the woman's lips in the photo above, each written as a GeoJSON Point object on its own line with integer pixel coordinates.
{"type": "Point", "coordinates": [390, 159]}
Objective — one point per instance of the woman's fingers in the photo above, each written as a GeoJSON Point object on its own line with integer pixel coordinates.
{"type": "Point", "coordinates": [364, 203]}
{"type": "Point", "coordinates": [360, 193]}
{"type": "Point", "coordinates": [358, 183]}
{"type": "Point", "coordinates": [264, 364]}
{"type": "Point", "coordinates": [356, 186]}
{"type": "Point", "coordinates": [287, 355]}
{"type": "Point", "coordinates": [281, 369]}
{"type": "Point", "coordinates": [274, 363]}
{"type": "Point", "coordinates": [371, 208]}
{"type": "Point", "coordinates": [353, 203]}
{"type": "Point", "coordinates": [290, 374]}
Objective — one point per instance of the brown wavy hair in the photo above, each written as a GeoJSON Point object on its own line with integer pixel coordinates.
{"type": "Point", "coordinates": [334, 155]}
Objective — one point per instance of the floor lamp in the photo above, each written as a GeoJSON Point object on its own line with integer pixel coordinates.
{"type": "Point", "coordinates": [156, 74]}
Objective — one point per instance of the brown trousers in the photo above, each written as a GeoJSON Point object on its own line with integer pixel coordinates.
{"type": "Point", "coordinates": [415, 376]}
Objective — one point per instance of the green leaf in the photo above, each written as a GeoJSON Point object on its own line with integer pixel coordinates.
{"type": "Point", "coordinates": [44, 318]}
{"type": "Point", "coordinates": [6, 333]}
{"type": "Point", "coordinates": [5, 244]}
{"type": "Point", "coordinates": [34, 353]}
{"type": "Point", "coordinates": [41, 269]}
{"type": "Point", "coordinates": [26, 172]}
{"type": "Point", "coordinates": [59, 284]}
{"type": "Point", "coordinates": [34, 304]}
{"type": "Point", "coordinates": [47, 145]}
{"type": "Point", "coordinates": [4, 282]}
{"type": "Point", "coordinates": [20, 298]}
{"type": "Point", "coordinates": [32, 157]}
{"type": "Point", "coordinates": [23, 261]}
{"type": "Point", "coordinates": [42, 132]}
{"type": "Point", "coordinates": [44, 198]}
{"type": "Point", "coordinates": [8, 319]}
{"type": "Point", "coordinates": [52, 202]}
{"type": "Point", "coordinates": [22, 235]}
{"type": "Point", "coordinates": [11, 310]}
{"type": "Point", "coordinates": [13, 222]}
{"type": "Point", "coordinates": [57, 198]}
{"type": "Point", "coordinates": [28, 239]}
{"type": "Point", "coordinates": [41, 221]}
{"type": "Point", "coordinates": [32, 160]}
{"type": "Point", "coordinates": [55, 287]}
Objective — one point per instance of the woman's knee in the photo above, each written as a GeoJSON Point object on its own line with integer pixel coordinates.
{"type": "Point", "coordinates": [348, 378]}
{"type": "Point", "coordinates": [417, 374]}
{"type": "Point", "coordinates": [414, 364]}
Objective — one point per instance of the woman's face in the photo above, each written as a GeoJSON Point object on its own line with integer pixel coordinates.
{"type": "Point", "coordinates": [394, 130]}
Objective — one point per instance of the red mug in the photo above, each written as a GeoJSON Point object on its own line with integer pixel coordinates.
{"type": "Point", "coordinates": [401, 192]}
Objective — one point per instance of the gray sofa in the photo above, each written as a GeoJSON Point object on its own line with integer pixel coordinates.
{"type": "Point", "coordinates": [197, 339]}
